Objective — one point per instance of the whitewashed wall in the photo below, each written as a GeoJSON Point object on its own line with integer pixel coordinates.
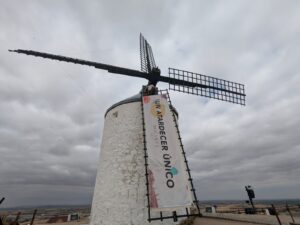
{"type": "Point", "coordinates": [120, 190]}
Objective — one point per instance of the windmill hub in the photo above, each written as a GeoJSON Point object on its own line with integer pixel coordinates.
{"type": "Point", "coordinates": [155, 72]}
{"type": "Point", "coordinates": [154, 76]}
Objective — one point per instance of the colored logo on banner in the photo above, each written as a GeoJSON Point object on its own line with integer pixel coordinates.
{"type": "Point", "coordinates": [146, 99]}
{"type": "Point", "coordinates": [158, 109]}
{"type": "Point", "coordinates": [174, 171]}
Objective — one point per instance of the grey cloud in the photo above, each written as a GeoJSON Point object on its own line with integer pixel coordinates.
{"type": "Point", "coordinates": [52, 113]}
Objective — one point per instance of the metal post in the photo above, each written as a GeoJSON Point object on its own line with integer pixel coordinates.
{"type": "Point", "coordinates": [146, 159]}
{"type": "Point", "coordinates": [288, 209]}
{"type": "Point", "coordinates": [276, 214]}
{"type": "Point", "coordinates": [175, 219]}
{"type": "Point", "coordinates": [251, 201]}
{"type": "Point", "coordinates": [251, 195]}
{"type": "Point", "coordinates": [1, 218]}
{"type": "Point", "coordinates": [17, 218]}
{"type": "Point", "coordinates": [33, 217]}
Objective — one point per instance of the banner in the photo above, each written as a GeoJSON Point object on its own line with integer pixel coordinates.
{"type": "Point", "coordinates": [168, 180]}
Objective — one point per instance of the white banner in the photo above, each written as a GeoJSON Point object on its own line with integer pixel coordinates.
{"type": "Point", "coordinates": [168, 180]}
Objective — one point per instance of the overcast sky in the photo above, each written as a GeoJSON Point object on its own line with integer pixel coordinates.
{"type": "Point", "coordinates": [52, 114]}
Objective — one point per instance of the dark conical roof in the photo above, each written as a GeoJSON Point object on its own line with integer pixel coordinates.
{"type": "Point", "coordinates": [134, 98]}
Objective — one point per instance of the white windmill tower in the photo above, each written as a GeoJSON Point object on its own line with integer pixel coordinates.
{"type": "Point", "coordinates": [143, 175]}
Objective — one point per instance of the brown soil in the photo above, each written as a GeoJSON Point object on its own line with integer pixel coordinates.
{"type": "Point", "coordinates": [212, 221]}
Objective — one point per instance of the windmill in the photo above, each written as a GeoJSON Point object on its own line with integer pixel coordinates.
{"type": "Point", "coordinates": [124, 191]}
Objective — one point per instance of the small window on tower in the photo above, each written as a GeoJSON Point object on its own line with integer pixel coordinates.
{"type": "Point", "coordinates": [115, 114]}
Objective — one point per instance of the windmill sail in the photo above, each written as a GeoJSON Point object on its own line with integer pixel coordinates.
{"type": "Point", "coordinates": [178, 80]}
{"type": "Point", "coordinates": [147, 59]}
{"type": "Point", "coordinates": [207, 86]}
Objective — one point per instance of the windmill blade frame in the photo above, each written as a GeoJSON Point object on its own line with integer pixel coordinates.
{"type": "Point", "coordinates": [107, 67]}
{"type": "Point", "coordinates": [178, 80]}
{"type": "Point", "coordinates": [146, 56]}
{"type": "Point", "coordinates": [206, 86]}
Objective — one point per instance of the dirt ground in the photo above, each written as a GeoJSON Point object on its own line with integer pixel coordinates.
{"type": "Point", "coordinates": [84, 221]}
{"type": "Point", "coordinates": [198, 221]}
{"type": "Point", "coordinates": [212, 221]}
